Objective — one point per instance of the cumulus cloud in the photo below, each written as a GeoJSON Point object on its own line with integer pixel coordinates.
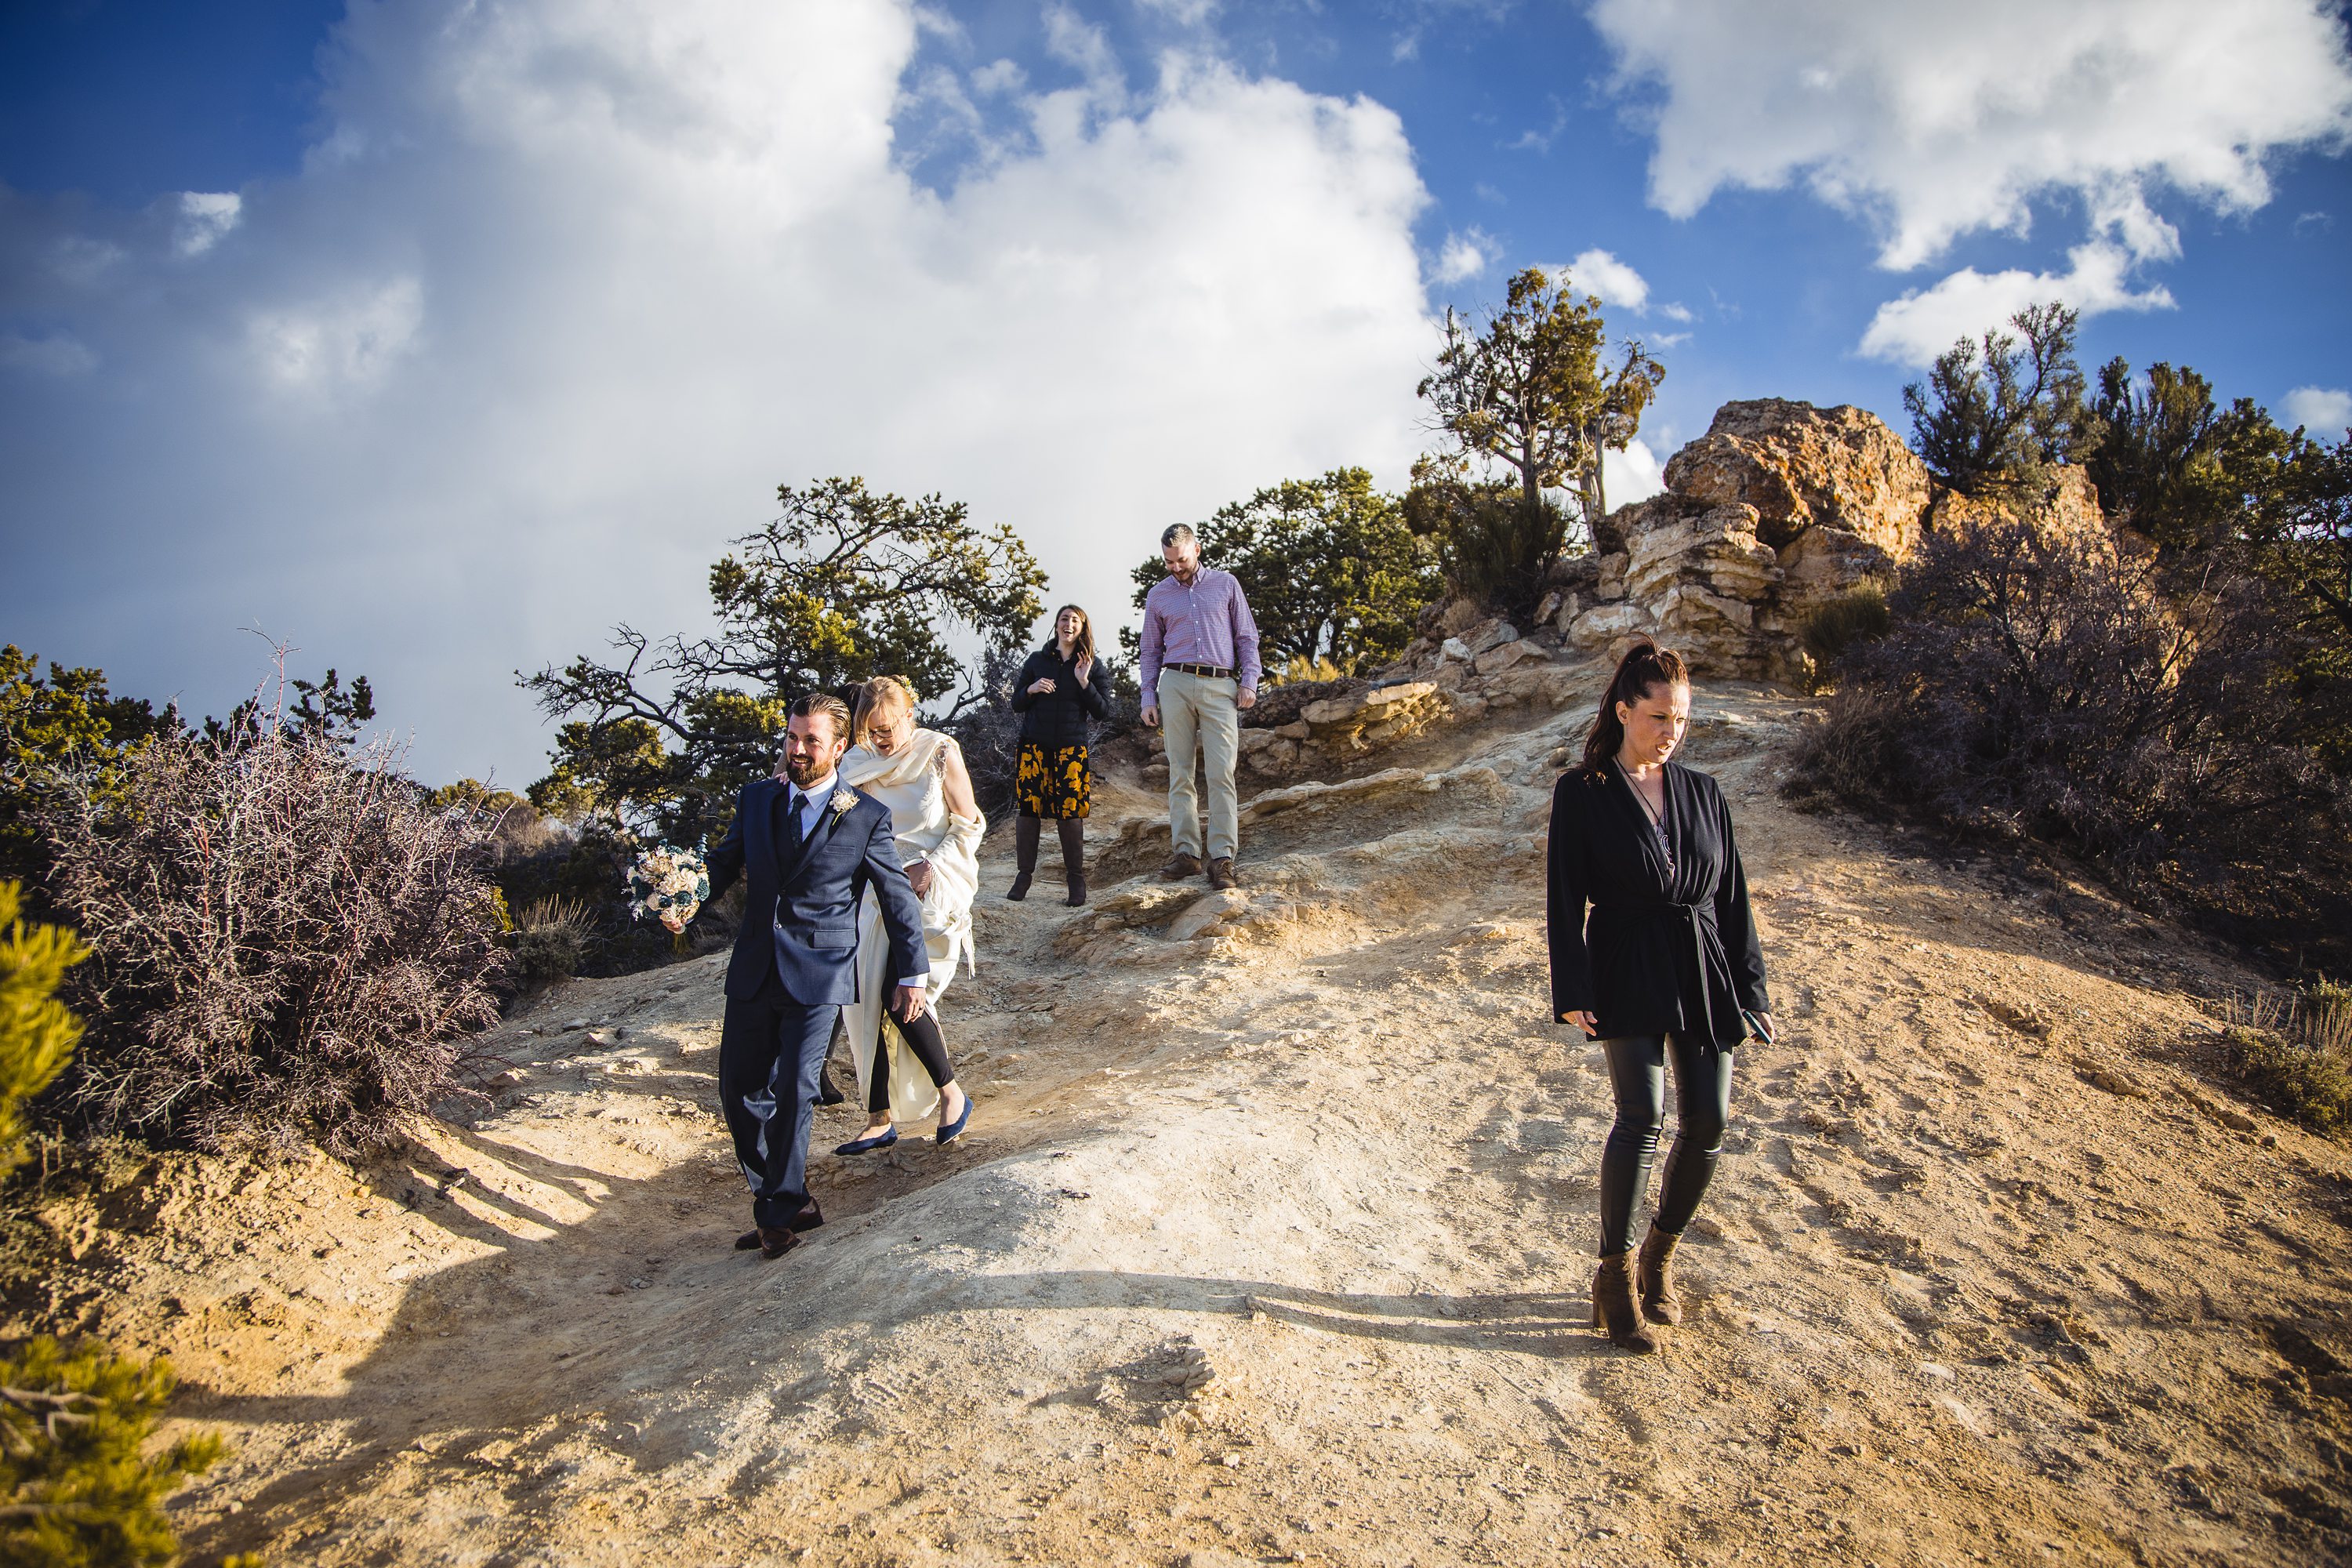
{"type": "Point", "coordinates": [204, 218]}
{"type": "Point", "coordinates": [1465, 256]}
{"type": "Point", "coordinates": [563, 291]}
{"type": "Point", "coordinates": [1635, 474]}
{"type": "Point", "coordinates": [1608, 280]}
{"type": "Point", "coordinates": [1933, 120]}
{"type": "Point", "coordinates": [1923, 324]}
{"type": "Point", "coordinates": [2324, 411]}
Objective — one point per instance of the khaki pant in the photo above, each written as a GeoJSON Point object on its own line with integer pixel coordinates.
{"type": "Point", "coordinates": [1199, 711]}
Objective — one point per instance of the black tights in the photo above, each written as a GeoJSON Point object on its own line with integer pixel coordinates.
{"type": "Point", "coordinates": [1637, 1068]}
{"type": "Point", "coordinates": [931, 1046]}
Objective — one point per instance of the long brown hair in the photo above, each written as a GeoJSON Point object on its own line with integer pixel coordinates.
{"type": "Point", "coordinates": [1082, 646]}
{"type": "Point", "coordinates": [1645, 669]}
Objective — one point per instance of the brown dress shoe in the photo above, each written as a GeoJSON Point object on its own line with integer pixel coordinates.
{"type": "Point", "coordinates": [1180, 865]}
{"type": "Point", "coordinates": [1221, 873]}
{"type": "Point", "coordinates": [774, 1243]}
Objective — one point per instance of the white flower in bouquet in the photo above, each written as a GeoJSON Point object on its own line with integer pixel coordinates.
{"type": "Point", "coordinates": [668, 885]}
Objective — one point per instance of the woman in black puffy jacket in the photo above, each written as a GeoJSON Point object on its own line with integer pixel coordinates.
{"type": "Point", "coordinates": [1060, 687]}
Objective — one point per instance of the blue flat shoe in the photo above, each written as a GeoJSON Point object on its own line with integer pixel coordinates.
{"type": "Point", "coordinates": [868, 1145]}
{"type": "Point", "coordinates": [949, 1131]}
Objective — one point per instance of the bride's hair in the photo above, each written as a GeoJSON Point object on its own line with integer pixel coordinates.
{"type": "Point", "coordinates": [1084, 646]}
{"type": "Point", "coordinates": [878, 699]}
{"type": "Point", "coordinates": [1645, 669]}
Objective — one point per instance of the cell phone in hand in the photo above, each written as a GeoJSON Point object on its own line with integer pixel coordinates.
{"type": "Point", "coordinates": [1757, 1025]}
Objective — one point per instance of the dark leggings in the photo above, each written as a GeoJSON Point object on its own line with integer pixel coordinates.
{"type": "Point", "coordinates": [1637, 1070]}
{"type": "Point", "coordinates": [923, 1034]}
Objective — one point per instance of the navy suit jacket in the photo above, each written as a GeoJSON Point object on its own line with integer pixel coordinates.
{"type": "Point", "coordinates": [813, 901]}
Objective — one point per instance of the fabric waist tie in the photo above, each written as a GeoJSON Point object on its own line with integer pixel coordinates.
{"type": "Point", "coordinates": [1698, 920]}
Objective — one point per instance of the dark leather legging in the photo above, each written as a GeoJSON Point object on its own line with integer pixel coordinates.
{"type": "Point", "coordinates": [923, 1034]}
{"type": "Point", "coordinates": [1637, 1068]}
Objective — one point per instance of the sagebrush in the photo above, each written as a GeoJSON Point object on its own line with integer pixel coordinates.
{"type": "Point", "coordinates": [2296, 1054]}
{"type": "Point", "coordinates": [2030, 687]}
{"type": "Point", "coordinates": [291, 945]}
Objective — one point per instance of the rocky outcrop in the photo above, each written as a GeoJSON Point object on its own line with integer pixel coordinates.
{"type": "Point", "coordinates": [2066, 512]}
{"type": "Point", "coordinates": [1779, 508]}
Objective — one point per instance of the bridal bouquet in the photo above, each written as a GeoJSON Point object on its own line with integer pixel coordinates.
{"type": "Point", "coordinates": [668, 885]}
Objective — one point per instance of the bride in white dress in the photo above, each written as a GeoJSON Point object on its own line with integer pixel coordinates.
{"type": "Point", "coordinates": [920, 775]}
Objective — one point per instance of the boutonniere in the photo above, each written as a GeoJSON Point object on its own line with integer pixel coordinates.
{"type": "Point", "coordinates": [843, 799]}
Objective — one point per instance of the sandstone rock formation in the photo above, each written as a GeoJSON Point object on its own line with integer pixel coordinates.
{"type": "Point", "coordinates": [1779, 508]}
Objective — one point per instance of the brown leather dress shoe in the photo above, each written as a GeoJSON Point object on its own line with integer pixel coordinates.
{"type": "Point", "coordinates": [774, 1243]}
{"type": "Point", "coordinates": [1180, 865]}
{"type": "Point", "coordinates": [1221, 873]}
{"type": "Point", "coordinates": [809, 1218]}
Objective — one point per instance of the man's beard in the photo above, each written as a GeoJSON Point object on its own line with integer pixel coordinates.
{"type": "Point", "coordinates": [803, 771]}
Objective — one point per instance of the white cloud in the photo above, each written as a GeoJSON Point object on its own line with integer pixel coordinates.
{"type": "Point", "coordinates": [1465, 256]}
{"type": "Point", "coordinates": [1923, 324]}
{"type": "Point", "coordinates": [1681, 313]}
{"type": "Point", "coordinates": [204, 218]}
{"type": "Point", "coordinates": [1635, 474]}
{"type": "Point", "coordinates": [334, 345]}
{"type": "Point", "coordinates": [2324, 411]}
{"type": "Point", "coordinates": [581, 284]}
{"type": "Point", "coordinates": [1610, 281]}
{"type": "Point", "coordinates": [58, 354]}
{"type": "Point", "coordinates": [1184, 13]}
{"type": "Point", "coordinates": [999, 77]}
{"type": "Point", "coordinates": [1934, 119]}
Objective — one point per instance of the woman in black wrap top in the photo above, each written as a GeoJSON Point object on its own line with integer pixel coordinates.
{"type": "Point", "coordinates": [1654, 954]}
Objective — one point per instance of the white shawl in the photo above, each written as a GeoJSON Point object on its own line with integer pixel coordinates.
{"type": "Point", "coordinates": [912, 781]}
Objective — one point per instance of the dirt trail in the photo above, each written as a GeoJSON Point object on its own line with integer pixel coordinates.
{"type": "Point", "coordinates": [1272, 1243]}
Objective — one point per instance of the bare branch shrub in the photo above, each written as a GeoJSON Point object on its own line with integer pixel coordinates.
{"type": "Point", "coordinates": [291, 945]}
{"type": "Point", "coordinates": [2027, 688]}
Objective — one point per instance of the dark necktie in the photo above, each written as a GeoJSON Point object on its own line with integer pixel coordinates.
{"type": "Point", "coordinates": [793, 837]}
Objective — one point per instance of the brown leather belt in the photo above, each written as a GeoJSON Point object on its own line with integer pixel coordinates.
{"type": "Point", "coordinates": [1211, 670]}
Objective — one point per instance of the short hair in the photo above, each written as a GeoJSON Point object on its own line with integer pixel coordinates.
{"type": "Point", "coordinates": [1176, 533]}
{"type": "Point", "coordinates": [882, 694]}
{"type": "Point", "coordinates": [826, 703]}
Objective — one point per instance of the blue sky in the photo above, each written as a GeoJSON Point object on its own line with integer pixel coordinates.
{"type": "Point", "coordinates": [436, 338]}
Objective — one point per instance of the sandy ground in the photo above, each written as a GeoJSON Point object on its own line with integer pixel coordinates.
{"type": "Point", "coordinates": [1271, 1243]}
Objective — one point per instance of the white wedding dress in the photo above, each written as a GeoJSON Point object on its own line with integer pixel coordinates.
{"type": "Point", "coordinates": [912, 781]}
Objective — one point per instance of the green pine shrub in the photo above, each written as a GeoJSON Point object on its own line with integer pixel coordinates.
{"type": "Point", "coordinates": [81, 1488]}
{"type": "Point", "coordinates": [37, 1034]}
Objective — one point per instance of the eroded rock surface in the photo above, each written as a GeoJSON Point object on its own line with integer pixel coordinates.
{"type": "Point", "coordinates": [1777, 509]}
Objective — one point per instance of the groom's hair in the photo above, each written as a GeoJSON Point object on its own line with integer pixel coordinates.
{"type": "Point", "coordinates": [824, 702]}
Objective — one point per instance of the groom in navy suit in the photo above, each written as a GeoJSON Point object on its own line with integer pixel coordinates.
{"type": "Point", "coordinates": [807, 849]}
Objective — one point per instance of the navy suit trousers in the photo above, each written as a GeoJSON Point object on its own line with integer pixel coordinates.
{"type": "Point", "coordinates": [770, 1053]}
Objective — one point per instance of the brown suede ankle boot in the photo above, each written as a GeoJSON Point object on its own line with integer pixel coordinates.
{"type": "Point", "coordinates": [1614, 1312]}
{"type": "Point", "coordinates": [1654, 1278]}
{"type": "Point", "coordinates": [1026, 831]}
{"type": "Point", "coordinates": [1073, 830]}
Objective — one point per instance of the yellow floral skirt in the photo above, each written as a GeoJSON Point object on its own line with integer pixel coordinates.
{"type": "Point", "coordinates": [1051, 783]}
